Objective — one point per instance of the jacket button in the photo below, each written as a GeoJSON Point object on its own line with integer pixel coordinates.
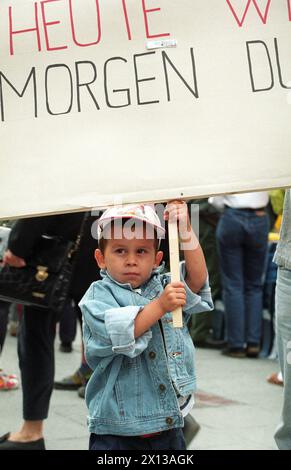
{"type": "Point", "coordinates": [162, 387]}
{"type": "Point", "coordinates": [169, 421]}
{"type": "Point", "coordinates": [152, 355]}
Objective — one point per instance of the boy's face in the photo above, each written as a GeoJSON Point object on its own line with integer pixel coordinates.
{"type": "Point", "coordinates": [130, 260]}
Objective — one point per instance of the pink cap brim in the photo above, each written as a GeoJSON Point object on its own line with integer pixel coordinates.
{"type": "Point", "coordinates": [160, 230]}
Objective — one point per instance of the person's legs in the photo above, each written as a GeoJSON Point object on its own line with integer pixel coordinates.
{"type": "Point", "coordinates": [230, 245]}
{"type": "Point", "coordinates": [79, 378]}
{"type": "Point", "coordinates": [255, 257]}
{"type": "Point", "coordinates": [283, 331]}
{"type": "Point", "coordinates": [36, 362]}
{"type": "Point", "coordinates": [68, 326]}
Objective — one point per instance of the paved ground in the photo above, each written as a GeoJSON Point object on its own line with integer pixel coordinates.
{"type": "Point", "coordinates": [236, 407]}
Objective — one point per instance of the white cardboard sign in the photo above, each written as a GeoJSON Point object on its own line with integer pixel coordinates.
{"type": "Point", "coordinates": [105, 101]}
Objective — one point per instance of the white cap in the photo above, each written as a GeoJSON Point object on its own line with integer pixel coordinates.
{"type": "Point", "coordinates": [142, 212]}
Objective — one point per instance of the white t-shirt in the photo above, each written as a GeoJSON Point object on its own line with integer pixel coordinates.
{"type": "Point", "coordinates": [186, 404]}
{"type": "Point", "coordinates": [255, 200]}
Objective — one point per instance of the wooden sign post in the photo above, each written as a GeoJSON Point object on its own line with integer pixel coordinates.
{"type": "Point", "coordinates": [174, 265]}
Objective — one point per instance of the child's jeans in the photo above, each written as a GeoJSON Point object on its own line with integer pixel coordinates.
{"type": "Point", "coordinates": [167, 440]}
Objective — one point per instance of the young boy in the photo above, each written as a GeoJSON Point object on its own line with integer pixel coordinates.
{"type": "Point", "coordinates": [143, 369]}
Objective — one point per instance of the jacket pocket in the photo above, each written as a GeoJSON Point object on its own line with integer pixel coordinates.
{"type": "Point", "coordinates": [184, 357]}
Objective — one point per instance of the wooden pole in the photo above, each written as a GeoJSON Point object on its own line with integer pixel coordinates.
{"type": "Point", "coordinates": [175, 268]}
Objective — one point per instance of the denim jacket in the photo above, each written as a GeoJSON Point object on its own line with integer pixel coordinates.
{"type": "Point", "coordinates": [135, 381]}
{"type": "Point", "coordinates": [283, 253]}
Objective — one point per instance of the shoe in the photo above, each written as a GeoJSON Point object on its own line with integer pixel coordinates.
{"type": "Point", "coordinates": [8, 382]}
{"type": "Point", "coordinates": [72, 382]}
{"type": "Point", "coordinates": [210, 343]}
{"type": "Point", "coordinates": [66, 347]}
{"type": "Point", "coordinates": [190, 429]}
{"type": "Point", "coordinates": [81, 391]}
{"type": "Point", "coordinates": [234, 352]}
{"type": "Point", "coordinates": [253, 350]}
{"type": "Point", "coordinates": [12, 445]}
{"type": "Point", "coordinates": [275, 379]}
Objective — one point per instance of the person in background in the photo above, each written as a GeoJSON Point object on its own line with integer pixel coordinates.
{"type": "Point", "coordinates": [7, 381]}
{"type": "Point", "coordinates": [283, 322]}
{"type": "Point", "coordinates": [68, 327]}
{"type": "Point", "coordinates": [38, 326]}
{"type": "Point", "coordinates": [277, 204]}
{"type": "Point", "coordinates": [242, 236]}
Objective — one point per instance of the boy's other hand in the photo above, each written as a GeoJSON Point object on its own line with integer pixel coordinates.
{"type": "Point", "coordinates": [174, 296]}
{"type": "Point", "coordinates": [177, 211]}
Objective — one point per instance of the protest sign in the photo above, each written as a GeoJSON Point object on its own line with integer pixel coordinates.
{"type": "Point", "coordinates": [105, 101]}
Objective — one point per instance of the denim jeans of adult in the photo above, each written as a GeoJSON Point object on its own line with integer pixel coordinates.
{"type": "Point", "coordinates": [283, 325]}
{"type": "Point", "coordinates": [242, 237]}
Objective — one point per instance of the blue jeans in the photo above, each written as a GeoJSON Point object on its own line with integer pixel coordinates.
{"type": "Point", "coordinates": [242, 237]}
{"type": "Point", "coordinates": [167, 440]}
{"type": "Point", "coordinates": [283, 325]}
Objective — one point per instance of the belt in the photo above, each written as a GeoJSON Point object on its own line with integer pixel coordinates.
{"type": "Point", "coordinates": [146, 436]}
{"type": "Point", "coordinates": [247, 208]}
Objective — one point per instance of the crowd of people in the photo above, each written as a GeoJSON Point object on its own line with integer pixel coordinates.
{"type": "Point", "coordinates": [234, 237]}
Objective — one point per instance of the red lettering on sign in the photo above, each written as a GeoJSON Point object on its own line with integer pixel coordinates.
{"type": "Point", "coordinates": [20, 31]}
{"type": "Point", "coordinates": [289, 9]}
{"type": "Point", "coordinates": [146, 12]}
{"type": "Point", "coordinates": [98, 26]}
{"type": "Point", "coordinates": [263, 16]}
{"type": "Point", "coordinates": [46, 24]}
{"type": "Point", "coordinates": [126, 19]}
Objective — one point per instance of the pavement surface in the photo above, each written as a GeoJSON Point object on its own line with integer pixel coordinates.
{"type": "Point", "coordinates": [235, 406]}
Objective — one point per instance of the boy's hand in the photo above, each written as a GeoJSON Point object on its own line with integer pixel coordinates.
{"type": "Point", "coordinates": [174, 296]}
{"type": "Point", "coordinates": [177, 211]}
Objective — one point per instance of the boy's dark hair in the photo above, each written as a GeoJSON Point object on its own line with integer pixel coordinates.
{"type": "Point", "coordinates": [135, 223]}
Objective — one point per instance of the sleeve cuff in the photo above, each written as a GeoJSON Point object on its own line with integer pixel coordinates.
{"type": "Point", "coordinates": [119, 323]}
{"type": "Point", "coordinates": [196, 303]}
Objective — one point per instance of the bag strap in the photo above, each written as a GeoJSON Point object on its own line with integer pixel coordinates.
{"type": "Point", "coordinates": [76, 245]}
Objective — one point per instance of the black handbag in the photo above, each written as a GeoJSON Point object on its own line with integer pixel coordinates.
{"type": "Point", "coordinates": [45, 280]}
